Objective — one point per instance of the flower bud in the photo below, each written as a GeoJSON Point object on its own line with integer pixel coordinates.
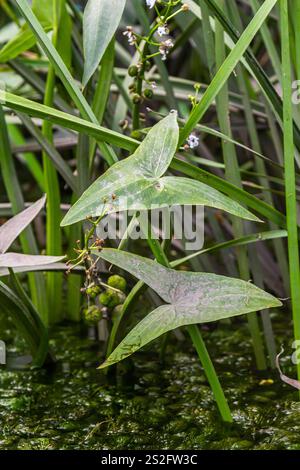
{"type": "Point", "coordinates": [133, 71]}
{"type": "Point", "coordinates": [148, 93]}
{"type": "Point", "coordinates": [136, 99]}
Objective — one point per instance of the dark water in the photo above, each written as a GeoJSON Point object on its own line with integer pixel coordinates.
{"type": "Point", "coordinates": [148, 405]}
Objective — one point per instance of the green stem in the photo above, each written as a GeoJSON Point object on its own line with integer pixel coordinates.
{"type": "Point", "coordinates": [289, 153]}
{"type": "Point", "coordinates": [210, 372]}
{"type": "Point", "coordinates": [102, 91]}
{"type": "Point", "coordinates": [139, 89]}
{"type": "Point", "coordinates": [54, 280]}
{"type": "Point", "coordinates": [297, 38]}
{"type": "Point", "coordinates": [74, 282]}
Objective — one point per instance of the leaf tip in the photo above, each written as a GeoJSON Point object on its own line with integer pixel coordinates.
{"type": "Point", "coordinates": [66, 220]}
{"type": "Point", "coordinates": [84, 81]}
{"type": "Point", "coordinates": [103, 365]}
{"type": "Point", "coordinates": [278, 302]}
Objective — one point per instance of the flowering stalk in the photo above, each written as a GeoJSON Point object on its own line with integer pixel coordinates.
{"type": "Point", "coordinates": [158, 38]}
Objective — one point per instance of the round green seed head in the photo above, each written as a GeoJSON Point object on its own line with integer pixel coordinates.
{"type": "Point", "coordinates": [109, 298]}
{"type": "Point", "coordinates": [93, 291]}
{"type": "Point", "coordinates": [148, 65]}
{"type": "Point", "coordinates": [118, 282]}
{"type": "Point", "coordinates": [133, 71]}
{"type": "Point", "coordinates": [92, 315]}
{"type": "Point", "coordinates": [148, 93]}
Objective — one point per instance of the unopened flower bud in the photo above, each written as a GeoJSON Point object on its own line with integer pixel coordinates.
{"type": "Point", "coordinates": [133, 71]}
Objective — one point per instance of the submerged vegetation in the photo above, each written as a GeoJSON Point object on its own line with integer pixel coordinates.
{"type": "Point", "coordinates": [118, 117]}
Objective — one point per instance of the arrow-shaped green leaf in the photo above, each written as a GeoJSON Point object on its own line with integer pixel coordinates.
{"type": "Point", "coordinates": [191, 297]}
{"type": "Point", "coordinates": [136, 183]}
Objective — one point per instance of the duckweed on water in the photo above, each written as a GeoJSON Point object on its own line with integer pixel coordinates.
{"type": "Point", "coordinates": [150, 406]}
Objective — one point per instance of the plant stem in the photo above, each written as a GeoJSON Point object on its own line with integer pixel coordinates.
{"type": "Point", "coordinates": [289, 153]}
{"type": "Point", "coordinates": [53, 243]}
{"type": "Point", "coordinates": [210, 372]}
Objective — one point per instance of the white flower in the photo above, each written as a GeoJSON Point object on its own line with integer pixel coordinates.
{"type": "Point", "coordinates": [130, 35]}
{"type": "Point", "coordinates": [165, 47]}
{"type": "Point", "coordinates": [169, 43]}
{"type": "Point", "coordinates": [150, 3]}
{"type": "Point", "coordinates": [193, 141]}
{"type": "Point", "coordinates": [163, 30]}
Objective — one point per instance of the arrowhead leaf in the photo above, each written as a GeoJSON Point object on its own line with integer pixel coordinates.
{"type": "Point", "coordinates": [192, 297]}
{"type": "Point", "coordinates": [136, 183]}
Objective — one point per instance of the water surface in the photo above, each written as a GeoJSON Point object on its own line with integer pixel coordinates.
{"type": "Point", "coordinates": [148, 404]}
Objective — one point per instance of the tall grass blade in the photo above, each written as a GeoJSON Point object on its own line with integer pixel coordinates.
{"type": "Point", "coordinates": [227, 68]}
{"type": "Point", "coordinates": [289, 153]}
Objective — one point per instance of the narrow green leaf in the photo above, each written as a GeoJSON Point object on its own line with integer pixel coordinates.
{"type": "Point", "coordinates": [250, 61]}
{"type": "Point", "coordinates": [25, 39]}
{"type": "Point", "coordinates": [61, 166]}
{"type": "Point", "coordinates": [102, 90]}
{"type": "Point", "coordinates": [12, 305]}
{"type": "Point", "coordinates": [38, 325]}
{"type": "Point", "coordinates": [29, 159]}
{"type": "Point", "coordinates": [43, 9]}
{"type": "Point", "coordinates": [289, 163]}
{"type": "Point", "coordinates": [56, 60]}
{"type": "Point", "coordinates": [69, 121]}
{"type": "Point", "coordinates": [22, 42]}
{"type": "Point", "coordinates": [100, 22]}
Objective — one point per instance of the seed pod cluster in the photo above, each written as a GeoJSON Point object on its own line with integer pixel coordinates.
{"type": "Point", "coordinates": [92, 315]}
{"type": "Point", "coordinates": [106, 303]}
